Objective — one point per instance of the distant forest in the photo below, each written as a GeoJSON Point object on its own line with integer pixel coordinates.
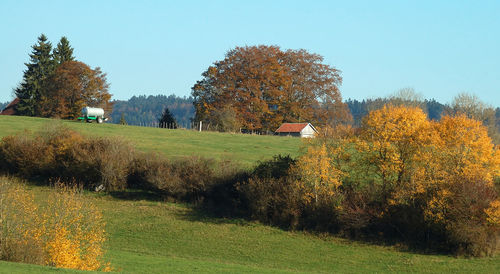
{"type": "Point", "coordinates": [3, 105]}
{"type": "Point", "coordinates": [140, 110]}
{"type": "Point", "coordinates": [359, 109]}
{"type": "Point", "coordinates": [147, 109]}
{"type": "Point", "coordinates": [433, 108]}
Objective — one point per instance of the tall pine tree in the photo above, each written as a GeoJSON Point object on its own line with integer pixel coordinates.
{"type": "Point", "coordinates": [63, 52]}
{"type": "Point", "coordinates": [167, 120]}
{"type": "Point", "coordinates": [31, 89]}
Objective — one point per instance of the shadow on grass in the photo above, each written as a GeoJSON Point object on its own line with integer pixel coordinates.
{"type": "Point", "coordinates": [199, 214]}
{"type": "Point", "coordinates": [137, 195]}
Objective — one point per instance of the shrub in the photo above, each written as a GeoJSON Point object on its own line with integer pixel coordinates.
{"type": "Point", "coordinates": [67, 231]}
{"type": "Point", "coordinates": [19, 231]}
{"type": "Point", "coordinates": [58, 152]}
{"type": "Point", "coordinates": [466, 211]}
{"type": "Point", "coordinates": [97, 161]}
{"type": "Point", "coordinates": [270, 195]}
{"type": "Point", "coordinates": [73, 230]}
{"type": "Point", "coordinates": [272, 201]}
{"type": "Point", "coordinates": [188, 179]}
{"type": "Point", "coordinates": [25, 155]}
{"type": "Point", "coordinates": [149, 171]}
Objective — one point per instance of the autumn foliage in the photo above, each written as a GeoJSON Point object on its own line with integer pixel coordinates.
{"type": "Point", "coordinates": [408, 177]}
{"type": "Point", "coordinates": [72, 86]}
{"type": "Point", "coordinates": [59, 152]}
{"type": "Point", "coordinates": [65, 231]}
{"type": "Point", "coordinates": [400, 177]}
{"type": "Point", "coordinates": [266, 86]}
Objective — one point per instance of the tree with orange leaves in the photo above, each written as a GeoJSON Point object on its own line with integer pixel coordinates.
{"type": "Point", "coordinates": [266, 86]}
{"type": "Point", "coordinates": [73, 86]}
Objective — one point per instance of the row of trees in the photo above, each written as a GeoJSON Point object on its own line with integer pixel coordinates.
{"type": "Point", "coordinates": [56, 85]}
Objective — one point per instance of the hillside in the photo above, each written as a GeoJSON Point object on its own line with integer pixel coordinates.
{"type": "Point", "coordinates": [151, 236]}
{"type": "Point", "coordinates": [243, 148]}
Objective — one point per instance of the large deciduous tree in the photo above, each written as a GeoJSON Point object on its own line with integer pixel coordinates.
{"type": "Point", "coordinates": [38, 70]}
{"type": "Point", "coordinates": [72, 86]}
{"type": "Point", "coordinates": [266, 86]}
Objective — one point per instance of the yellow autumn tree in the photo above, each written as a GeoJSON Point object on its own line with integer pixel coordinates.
{"type": "Point", "coordinates": [396, 141]}
{"type": "Point", "coordinates": [467, 150]}
{"type": "Point", "coordinates": [414, 177]}
{"type": "Point", "coordinates": [319, 179]}
{"type": "Point", "coordinates": [468, 160]}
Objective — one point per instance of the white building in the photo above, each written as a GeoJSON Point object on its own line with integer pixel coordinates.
{"type": "Point", "coordinates": [303, 130]}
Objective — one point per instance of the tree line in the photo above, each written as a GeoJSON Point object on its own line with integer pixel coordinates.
{"type": "Point", "coordinates": [54, 84]}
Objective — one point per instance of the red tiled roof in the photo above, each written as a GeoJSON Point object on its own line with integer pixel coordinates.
{"type": "Point", "coordinates": [10, 109]}
{"type": "Point", "coordinates": [292, 127]}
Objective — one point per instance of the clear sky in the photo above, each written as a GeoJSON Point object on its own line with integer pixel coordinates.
{"type": "Point", "coordinates": [439, 48]}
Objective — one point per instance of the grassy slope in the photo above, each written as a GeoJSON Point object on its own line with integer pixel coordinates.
{"type": "Point", "coordinates": [151, 236]}
{"type": "Point", "coordinates": [246, 149]}
{"type": "Point", "coordinates": [155, 237]}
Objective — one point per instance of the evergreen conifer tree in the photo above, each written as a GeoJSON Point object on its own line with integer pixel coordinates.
{"type": "Point", "coordinates": [122, 120]}
{"type": "Point", "coordinates": [63, 52]}
{"type": "Point", "coordinates": [167, 120]}
{"type": "Point", "coordinates": [31, 89]}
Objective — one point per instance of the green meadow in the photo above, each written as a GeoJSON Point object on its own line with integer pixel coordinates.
{"type": "Point", "coordinates": [243, 148]}
{"type": "Point", "coordinates": [148, 236]}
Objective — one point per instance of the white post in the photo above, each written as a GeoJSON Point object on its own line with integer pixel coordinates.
{"type": "Point", "coordinates": [200, 125]}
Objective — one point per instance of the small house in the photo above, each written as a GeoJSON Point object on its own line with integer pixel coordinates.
{"type": "Point", "coordinates": [303, 130]}
{"type": "Point", "coordinates": [10, 109]}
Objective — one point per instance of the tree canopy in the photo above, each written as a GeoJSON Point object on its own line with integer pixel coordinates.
{"type": "Point", "coordinates": [73, 86]}
{"type": "Point", "coordinates": [266, 86]}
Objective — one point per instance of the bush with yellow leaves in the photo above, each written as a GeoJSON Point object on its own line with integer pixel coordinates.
{"type": "Point", "coordinates": [66, 231]}
{"type": "Point", "coordinates": [405, 176]}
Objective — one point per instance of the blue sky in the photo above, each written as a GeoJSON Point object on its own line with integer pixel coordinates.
{"type": "Point", "coordinates": [439, 48]}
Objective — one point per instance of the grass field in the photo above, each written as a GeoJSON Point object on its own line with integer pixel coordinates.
{"type": "Point", "coordinates": [243, 148]}
{"type": "Point", "coordinates": [151, 236]}
{"type": "Point", "coordinates": [147, 236]}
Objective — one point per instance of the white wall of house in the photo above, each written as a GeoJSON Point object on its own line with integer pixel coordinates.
{"type": "Point", "coordinates": [307, 132]}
